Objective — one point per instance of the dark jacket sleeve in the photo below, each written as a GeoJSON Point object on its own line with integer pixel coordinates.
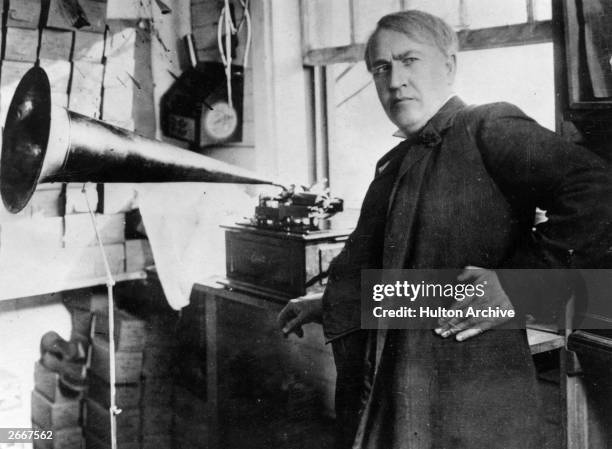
{"type": "Point", "coordinates": [535, 167]}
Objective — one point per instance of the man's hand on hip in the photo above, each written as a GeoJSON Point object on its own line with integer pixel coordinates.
{"type": "Point", "coordinates": [494, 297]}
{"type": "Point", "coordinates": [300, 311]}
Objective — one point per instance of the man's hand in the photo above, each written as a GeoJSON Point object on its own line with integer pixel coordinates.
{"type": "Point", "coordinates": [494, 296]}
{"type": "Point", "coordinates": [299, 311]}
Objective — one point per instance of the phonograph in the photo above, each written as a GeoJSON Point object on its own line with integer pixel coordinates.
{"type": "Point", "coordinates": [285, 249]}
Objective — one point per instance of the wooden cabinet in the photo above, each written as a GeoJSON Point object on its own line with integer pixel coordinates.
{"type": "Point", "coordinates": [261, 387]}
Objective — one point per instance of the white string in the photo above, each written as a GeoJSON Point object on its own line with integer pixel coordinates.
{"type": "Point", "coordinates": [110, 282]}
{"type": "Point", "coordinates": [227, 24]}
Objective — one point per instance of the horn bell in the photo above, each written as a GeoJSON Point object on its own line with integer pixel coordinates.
{"type": "Point", "coordinates": [44, 143]}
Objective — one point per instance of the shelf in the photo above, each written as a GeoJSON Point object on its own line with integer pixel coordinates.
{"type": "Point", "coordinates": [24, 291]}
{"type": "Point", "coordinates": [542, 341]}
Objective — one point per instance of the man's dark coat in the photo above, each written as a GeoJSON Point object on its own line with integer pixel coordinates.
{"type": "Point", "coordinates": [464, 193]}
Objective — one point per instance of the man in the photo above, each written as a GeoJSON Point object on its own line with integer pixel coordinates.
{"type": "Point", "coordinates": [459, 192]}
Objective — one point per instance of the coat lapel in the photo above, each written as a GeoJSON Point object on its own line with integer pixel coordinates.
{"type": "Point", "coordinates": [405, 193]}
{"type": "Point", "coordinates": [402, 206]}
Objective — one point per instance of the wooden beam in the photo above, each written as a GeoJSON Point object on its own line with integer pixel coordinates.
{"type": "Point", "coordinates": [506, 36]}
{"type": "Point", "coordinates": [484, 38]}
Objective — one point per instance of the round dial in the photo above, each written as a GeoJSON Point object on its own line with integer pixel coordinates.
{"type": "Point", "coordinates": [220, 122]}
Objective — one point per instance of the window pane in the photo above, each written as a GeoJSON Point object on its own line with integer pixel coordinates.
{"type": "Point", "coordinates": [521, 75]}
{"type": "Point", "coordinates": [329, 23]}
{"type": "Point", "coordinates": [362, 134]}
{"type": "Point", "coordinates": [445, 9]}
{"type": "Point", "coordinates": [490, 13]}
{"type": "Point", "coordinates": [367, 14]}
{"type": "Point", "coordinates": [542, 9]}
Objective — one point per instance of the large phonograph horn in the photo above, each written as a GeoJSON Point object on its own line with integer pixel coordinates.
{"type": "Point", "coordinates": [43, 143]}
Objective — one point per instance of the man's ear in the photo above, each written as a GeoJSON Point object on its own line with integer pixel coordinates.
{"type": "Point", "coordinates": [451, 65]}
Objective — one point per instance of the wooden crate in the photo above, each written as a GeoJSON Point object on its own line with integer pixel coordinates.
{"type": "Point", "coordinates": [81, 322]}
{"type": "Point", "coordinates": [58, 72]}
{"type": "Point", "coordinates": [56, 44]}
{"type": "Point", "coordinates": [88, 46]}
{"type": "Point", "coordinates": [86, 89]}
{"type": "Point", "coordinates": [120, 42]}
{"type": "Point", "coordinates": [279, 263]}
{"type": "Point", "coordinates": [23, 13]}
{"type": "Point", "coordinates": [129, 331]}
{"type": "Point", "coordinates": [86, 300]}
{"type": "Point", "coordinates": [69, 438]}
{"type": "Point", "coordinates": [128, 364]}
{"type": "Point", "coordinates": [21, 44]}
{"type": "Point", "coordinates": [96, 15]}
{"type": "Point", "coordinates": [46, 382]}
{"type": "Point", "coordinates": [93, 11]}
{"type": "Point", "coordinates": [54, 416]}
{"type": "Point", "coordinates": [97, 422]}
{"type": "Point", "coordinates": [118, 104]}
{"type": "Point", "coordinates": [126, 395]}
{"type": "Point", "coordinates": [45, 201]}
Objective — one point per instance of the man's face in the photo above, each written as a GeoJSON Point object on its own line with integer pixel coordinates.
{"type": "Point", "coordinates": [413, 79]}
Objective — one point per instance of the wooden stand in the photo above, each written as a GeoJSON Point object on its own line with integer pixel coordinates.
{"type": "Point", "coordinates": [261, 387]}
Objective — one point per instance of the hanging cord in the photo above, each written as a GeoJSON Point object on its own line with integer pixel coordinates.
{"type": "Point", "coordinates": [110, 282]}
{"type": "Point", "coordinates": [226, 24]}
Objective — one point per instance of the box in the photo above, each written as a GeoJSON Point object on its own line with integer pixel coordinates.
{"type": "Point", "coordinates": [97, 422]}
{"type": "Point", "coordinates": [121, 43]}
{"type": "Point", "coordinates": [50, 416]}
{"type": "Point", "coordinates": [128, 365]}
{"type": "Point", "coordinates": [45, 201]}
{"type": "Point", "coordinates": [86, 89]}
{"type": "Point", "coordinates": [79, 230]}
{"type": "Point", "coordinates": [23, 13]}
{"type": "Point", "coordinates": [69, 438]}
{"type": "Point", "coordinates": [81, 322]}
{"type": "Point", "coordinates": [96, 15]}
{"type": "Point", "coordinates": [21, 44]}
{"type": "Point", "coordinates": [88, 46]}
{"type": "Point", "coordinates": [279, 263]}
{"type": "Point", "coordinates": [55, 44]}
{"type": "Point", "coordinates": [92, 12]}
{"type": "Point", "coordinates": [118, 104]}
{"type": "Point", "coordinates": [46, 382]}
{"type": "Point", "coordinates": [126, 395]}
{"type": "Point", "coordinates": [86, 300]}
{"type": "Point", "coordinates": [129, 331]}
